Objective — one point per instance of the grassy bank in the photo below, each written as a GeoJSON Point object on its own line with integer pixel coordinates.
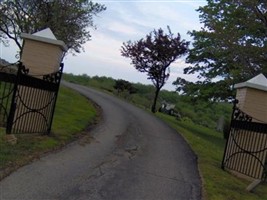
{"type": "Point", "coordinates": [209, 146]}
{"type": "Point", "coordinates": [73, 114]}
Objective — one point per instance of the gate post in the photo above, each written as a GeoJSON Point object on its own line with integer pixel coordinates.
{"type": "Point", "coordinates": [42, 54]}
{"type": "Point", "coordinates": [252, 97]}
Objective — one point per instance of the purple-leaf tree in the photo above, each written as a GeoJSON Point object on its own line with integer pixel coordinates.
{"type": "Point", "coordinates": [154, 54]}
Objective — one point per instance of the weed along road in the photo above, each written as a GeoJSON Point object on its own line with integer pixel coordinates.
{"type": "Point", "coordinates": [131, 155]}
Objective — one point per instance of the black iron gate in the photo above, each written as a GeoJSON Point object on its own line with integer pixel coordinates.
{"type": "Point", "coordinates": [27, 102]}
{"type": "Point", "coordinates": [246, 146]}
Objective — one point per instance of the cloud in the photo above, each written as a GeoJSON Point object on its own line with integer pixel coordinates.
{"type": "Point", "coordinates": [123, 28]}
{"type": "Point", "coordinates": [180, 15]}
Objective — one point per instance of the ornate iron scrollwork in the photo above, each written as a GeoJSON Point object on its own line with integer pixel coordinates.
{"type": "Point", "coordinates": [54, 77]}
{"type": "Point", "coordinates": [23, 69]}
{"type": "Point", "coordinates": [239, 114]}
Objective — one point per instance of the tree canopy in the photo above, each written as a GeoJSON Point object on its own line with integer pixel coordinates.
{"type": "Point", "coordinates": [230, 48]}
{"type": "Point", "coordinates": [69, 20]}
{"type": "Point", "coordinates": [154, 54]}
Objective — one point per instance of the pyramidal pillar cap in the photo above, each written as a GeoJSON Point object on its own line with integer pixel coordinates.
{"type": "Point", "coordinates": [258, 82]}
{"type": "Point", "coordinates": [46, 36]}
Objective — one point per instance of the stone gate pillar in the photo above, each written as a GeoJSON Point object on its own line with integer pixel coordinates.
{"type": "Point", "coordinates": [41, 55]}
{"type": "Point", "coordinates": [42, 52]}
{"type": "Point", "coordinates": [252, 97]}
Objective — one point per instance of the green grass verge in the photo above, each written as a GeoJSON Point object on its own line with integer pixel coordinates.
{"type": "Point", "coordinates": [72, 115]}
{"type": "Point", "coordinates": [209, 146]}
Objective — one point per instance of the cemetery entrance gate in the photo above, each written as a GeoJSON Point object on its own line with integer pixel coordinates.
{"type": "Point", "coordinates": [27, 102]}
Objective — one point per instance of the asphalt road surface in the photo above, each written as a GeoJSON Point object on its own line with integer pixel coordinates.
{"type": "Point", "coordinates": [133, 155]}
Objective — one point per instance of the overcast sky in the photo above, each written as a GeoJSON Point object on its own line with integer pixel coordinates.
{"type": "Point", "coordinates": [128, 20]}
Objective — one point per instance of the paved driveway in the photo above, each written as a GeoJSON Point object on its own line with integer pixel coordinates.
{"type": "Point", "coordinates": [133, 155]}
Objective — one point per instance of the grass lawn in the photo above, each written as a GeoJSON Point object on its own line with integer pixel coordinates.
{"type": "Point", "coordinates": [209, 146]}
{"type": "Point", "coordinates": [73, 114]}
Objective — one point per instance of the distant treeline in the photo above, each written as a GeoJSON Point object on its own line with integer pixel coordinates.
{"type": "Point", "coordinates": [197, 111]}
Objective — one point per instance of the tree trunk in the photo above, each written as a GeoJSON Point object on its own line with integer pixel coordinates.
{"type": "Point", "coordinates": [153, 108]}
